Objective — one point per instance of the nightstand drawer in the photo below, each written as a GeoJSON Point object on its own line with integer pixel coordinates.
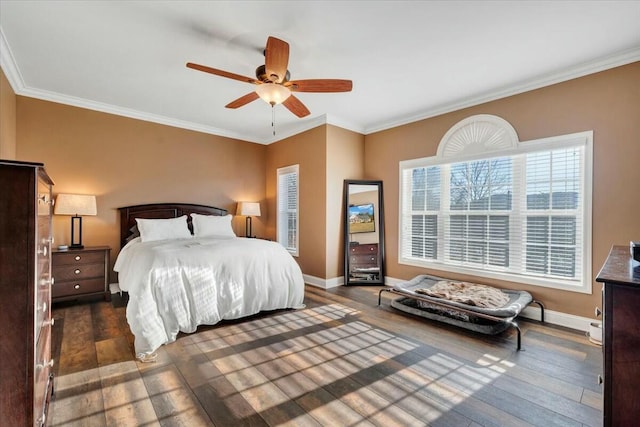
{"type": "Point", "coordinates": [80, 273]}
{"type": "Point", "coordinates": [77, 272]}
{"type": "Point", "coordinates": [77, 258]}
{"type": "Point", "coordinates": [77, 287]}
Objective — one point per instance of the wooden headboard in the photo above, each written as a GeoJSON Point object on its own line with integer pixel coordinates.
{"type": "Point", "coordinates": [128, 214]}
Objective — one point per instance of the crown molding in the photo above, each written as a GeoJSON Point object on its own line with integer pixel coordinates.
{"type": "Point", "coordinates": [10, 68]}
{"type": "Point", "coordinates": [611, 61]}
{"type": "Point", "coordinates": [130, 113]}
{"type": "Point", "coordinates": [337, 121]}
{"type": "Point", "coordinates": [303, 126]}
{"type": "Point", "coordinates": [8, 64]}
{"type": "Point", "coordinates": [296, 128]}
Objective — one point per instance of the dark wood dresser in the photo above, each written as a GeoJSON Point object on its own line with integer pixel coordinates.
{"type": "Point", "coordinates": [81, 273]}
{"type": "Point", "coordinates": [620, 276]}
{"type": "Point", "coordinates": [26, 379]}
{"type": "Point", "coordinates": [363, 261]}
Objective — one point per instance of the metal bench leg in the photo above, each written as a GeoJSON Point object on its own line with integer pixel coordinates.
{"type": "Point", "coordinates": [519, 337]}
{"type": "Point", "coordinates": [380, 295]}
{"type": "Point", "coordinates": [541, 310]}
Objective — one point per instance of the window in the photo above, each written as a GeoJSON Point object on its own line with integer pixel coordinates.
{"type": "Point", "coordinates": [519, 214]}
{"type": "Point", "coordinates": [287, 227]}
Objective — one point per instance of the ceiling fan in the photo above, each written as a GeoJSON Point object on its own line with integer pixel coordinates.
{"type": "Point", "coordinates": [272, 81]}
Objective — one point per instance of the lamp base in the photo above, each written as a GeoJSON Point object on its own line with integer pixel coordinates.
{"type": "Point", "coordinates": [248, 228]}
{"type": "Point", "coordinates": [76, 231]}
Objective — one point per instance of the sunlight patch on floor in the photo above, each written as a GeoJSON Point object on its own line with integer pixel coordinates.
{"type": "Point", "coordinates": [339, 369]}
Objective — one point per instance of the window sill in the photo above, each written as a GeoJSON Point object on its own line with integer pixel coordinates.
{"type": "Point", "coordinates": [560, 284]}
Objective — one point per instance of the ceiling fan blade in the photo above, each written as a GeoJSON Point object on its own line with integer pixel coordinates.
{"type": "Point", "coordinates": [320, 85]}
{"type": "Point", "coordinates": [243, 100]}
{"type": "Point", "coordinates": [296, 106]}
{"type": "Point", "coordinates": [276, 59]}
{"type": "Point", "coordinates": [222, 73]}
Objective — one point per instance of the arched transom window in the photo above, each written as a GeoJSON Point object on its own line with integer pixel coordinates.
{"type": "Point", "coordinates": [492, 206]}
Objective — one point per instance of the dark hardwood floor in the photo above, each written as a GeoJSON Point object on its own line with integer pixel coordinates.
{"type": "Point", "coordinates": [342, 361]}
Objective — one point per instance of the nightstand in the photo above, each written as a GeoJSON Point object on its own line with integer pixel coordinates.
{"type": "Point", "coordinates": [80, 273]}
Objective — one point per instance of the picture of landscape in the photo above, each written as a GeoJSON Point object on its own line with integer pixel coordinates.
{"type": "Point", "coordinates": [361, 218]}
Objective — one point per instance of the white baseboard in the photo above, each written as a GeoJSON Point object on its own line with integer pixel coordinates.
{"type": "Point", "coordinates": [323, 283]}
{"type": "Point", "coordinates": [558, 318]}
{"type": "Point", "coordinates": [392, 281]}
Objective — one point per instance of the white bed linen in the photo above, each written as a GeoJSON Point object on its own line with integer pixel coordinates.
{"type": "Point", "coordinates": [176, 285]}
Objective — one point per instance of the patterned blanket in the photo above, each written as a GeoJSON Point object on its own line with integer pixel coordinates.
{"type": "Point", "coordinates": [466, 293]}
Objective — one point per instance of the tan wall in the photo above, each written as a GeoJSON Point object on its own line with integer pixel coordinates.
{"type": "Point", "coordinates": [307, 149]}
{"type": "Point", "coordinates": [125, 162]}
{"type": "Point", "coordinates": [607, 103]}
{"type": "Point", "coordinates": [345, 160]}
{"type": "Point", "coordinates": [7, 119]}
{"type": "Point", "coordinates": [327, 155]}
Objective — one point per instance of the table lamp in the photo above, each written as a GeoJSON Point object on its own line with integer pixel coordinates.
{"type": "Point", "coordinates": [76, 205]}
{"type": "Point", "coordinates": [248, 209]}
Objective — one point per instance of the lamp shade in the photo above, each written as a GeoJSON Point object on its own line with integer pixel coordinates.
{"type": "Point", "coordinates": [75, 204]}
{"type": "Point", "coordinates": [273, 93]}
{"type": "Point", "coordinates": [248, 209]}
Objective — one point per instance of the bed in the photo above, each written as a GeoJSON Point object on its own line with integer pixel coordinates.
{"type": "Point", "coordinates": [415, 297]}
{"type": "Point", "coordinates": [177, 281]}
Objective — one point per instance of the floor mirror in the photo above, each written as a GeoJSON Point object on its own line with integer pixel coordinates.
{"type": "Point", "coordinates": [363, 233]}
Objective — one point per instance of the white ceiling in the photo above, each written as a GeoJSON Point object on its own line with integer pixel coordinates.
{"type": "Point", "coordinates": [408, 60]}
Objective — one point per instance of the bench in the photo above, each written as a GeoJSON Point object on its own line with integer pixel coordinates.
{"type": "Point", "coordinates": [472, 317]}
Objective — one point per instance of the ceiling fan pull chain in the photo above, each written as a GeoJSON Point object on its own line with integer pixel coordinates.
{"type": "Point", "coordinates": [273, 119]}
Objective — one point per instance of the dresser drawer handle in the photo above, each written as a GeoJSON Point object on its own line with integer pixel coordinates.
{"type": "Point", "coordinates": [44, 307]}
{"type": "Point", "coordinates": [76, 271]}
{"type": "Point", "coordinates": [76, 287]}
{"type": "Point", "coordinates": [78, 257]}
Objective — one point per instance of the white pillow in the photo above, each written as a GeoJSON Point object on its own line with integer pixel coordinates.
{"type": "Point", "coordinates": [163, 229]}
{"type": "Point", "coordinates": [210, 225]}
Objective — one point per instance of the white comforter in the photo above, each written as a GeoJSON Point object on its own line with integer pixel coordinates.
{"type": "Point", "coordinates": [176, 285]}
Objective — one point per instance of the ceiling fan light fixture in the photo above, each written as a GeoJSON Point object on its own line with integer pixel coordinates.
{"type": "Point", "coordinates": [273, 93]}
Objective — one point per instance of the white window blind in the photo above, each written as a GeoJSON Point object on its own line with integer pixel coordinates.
{"type": "Point", "coordinates": [287, 220]}
{"type": "Point", "coordinates": [521, 217]}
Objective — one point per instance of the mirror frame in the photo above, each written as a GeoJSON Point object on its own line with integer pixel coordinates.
{"type": "Point", "coordinates": [347, 246]}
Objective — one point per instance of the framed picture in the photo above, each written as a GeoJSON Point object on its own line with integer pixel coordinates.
{"type": "Point", "coordinates": [361, 218]}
